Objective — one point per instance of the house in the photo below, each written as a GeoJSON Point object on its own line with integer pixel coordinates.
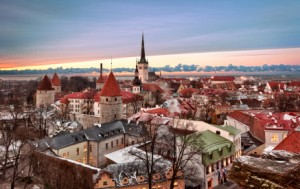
{"type": "Point", "coordinates": [291, 143]}
{"type": "Point", "coordinates": [132, 175]}
{"type": "Point", "coordinates": [217, 155]}
{"type": "Point", "coordinates": [274, 86]}
{"type": "Point", "coordinates": [89, 146]}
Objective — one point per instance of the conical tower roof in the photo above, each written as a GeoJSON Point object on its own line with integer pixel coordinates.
{"type": "Point", "coordinates": [55, 80]}
{"type": "Point", "coordinates": [143, 55]}
{"type": "Point", "coordinates": [111, 87]}
{"type": "Point", "coordinates": [45, 84]}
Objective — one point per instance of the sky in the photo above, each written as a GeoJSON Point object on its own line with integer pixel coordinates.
{"type": "Point", "coordinates": [53, 33]}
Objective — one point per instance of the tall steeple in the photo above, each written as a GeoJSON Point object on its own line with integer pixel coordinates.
{"type": "Point", "coordinates": [143, 64]}
{"type": "Point", "coordinates": [143, 56]}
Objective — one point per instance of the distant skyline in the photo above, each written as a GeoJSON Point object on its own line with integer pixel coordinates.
{"type": "Point", "coordinates": [42, 34]}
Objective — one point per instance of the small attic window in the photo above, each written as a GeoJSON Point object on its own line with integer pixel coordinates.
{"type": "Point", "coordinates": [106, 99]}
{"type": "Point", "coordinates": [115, 99]}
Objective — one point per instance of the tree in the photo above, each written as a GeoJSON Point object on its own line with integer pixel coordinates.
{"type": "Point", "coordinates": [174, 142]}
{"type": "Point", "coordinates": [146, 154]}
{"type": "Point", "coordinates": [185, 150]}
{"type": "Point", "coordinates": [283, 102]}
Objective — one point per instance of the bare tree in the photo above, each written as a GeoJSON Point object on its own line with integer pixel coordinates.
{"type": "Point", "coordinates": [175, 143]}
{"type": "Point", "coordinates": [146, 153]}
{"type": "Point", "coordinates": [183, 150]}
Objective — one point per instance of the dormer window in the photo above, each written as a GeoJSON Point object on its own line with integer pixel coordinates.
{"type": "Point", "coordinates": [106, 99]}
{"type": "Point", "coordinates": [115, 99]}
{"type": "Point", "coordinates": [125, 181]}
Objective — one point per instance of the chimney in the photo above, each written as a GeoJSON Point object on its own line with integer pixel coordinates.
{"type": "Point", "coordinates": [100, 69]}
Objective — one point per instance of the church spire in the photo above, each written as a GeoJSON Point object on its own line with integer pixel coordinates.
{"type": "Point", "coordinates": [143, 56]}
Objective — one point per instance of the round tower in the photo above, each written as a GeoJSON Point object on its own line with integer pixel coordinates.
{"type": "Point", "coordinates": [110, 101]}
{"type": "Point", "coordinates": [56, 83]}
{"type": "Point", "coordinates": [45, 93]}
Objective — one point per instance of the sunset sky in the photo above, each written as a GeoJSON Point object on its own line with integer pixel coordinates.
{"type": "Point", "coordinates": [51, 33]}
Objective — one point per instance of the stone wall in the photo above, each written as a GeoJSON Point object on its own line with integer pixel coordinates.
{"type": "Point", "coordinates": [44, 98]}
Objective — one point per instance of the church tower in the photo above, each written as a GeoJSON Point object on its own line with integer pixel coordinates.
{"type": "Point", "coordinates": [136, 82]}
{"type": "Point", "coordinates": [110, 100]}
{"type": "Point", "coordinates": [143, 64]}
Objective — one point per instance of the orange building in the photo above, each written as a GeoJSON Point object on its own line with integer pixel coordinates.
{"type": "Point", "coordinates": [125, 177]}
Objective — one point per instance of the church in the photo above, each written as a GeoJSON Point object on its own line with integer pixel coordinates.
{"type": "Point", "coordinates": [104, 104]}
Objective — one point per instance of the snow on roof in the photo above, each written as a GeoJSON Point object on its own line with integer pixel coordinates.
{"type": "Point", "coordinates": [123, 155]}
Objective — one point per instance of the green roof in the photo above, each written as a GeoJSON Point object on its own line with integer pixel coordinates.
{"type": "Point", "coordinates": [211, 141]}
{"type": "Point", "coordinates": [232, 130]}
{"type": "Point", "coordinates": [212, 145]}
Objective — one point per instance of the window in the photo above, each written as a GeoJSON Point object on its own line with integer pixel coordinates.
{"type": "Point", "coordinates": [207, 170]}
{"type": "Point", "coordinates": [84, 148]}
{"type": "Point", "coordinates": [211, 156]}
{"type": "Point", "coordinates": [132, 142]}
{"type": "Point", "coordinates": [274, 138]}
{"type": "Point", "coordinates": [122, 140]}
{"type": "Point", "coordinates": [106, 146]}
{"type": "Point", "coordinates": [104, 183]}
{"type": "Point", "coordinates": [84, 160]}
{"type": "Point", "coordinates": [112, 144]}
{"type": "Point", "coordinates": [218, 132]}
{"type": "Point", "coordinates": [106, 99]}
{"type": "Point", "coordinates": [117, 142]}
{"type": "Point", "coordinates": [67, 154]}
{"type": "Point", "coordinates": [115, 99]}
{"type": "Point", "coordinates": [91, 147]}
{"type": "Point", "coordinates": [64, 155]}
{"type": "Point", "coordinates": [77, 151]}
{"type": "Point", "coordinates": [91, 159]}
{"type": "Point", "coordinates": [284, 135]}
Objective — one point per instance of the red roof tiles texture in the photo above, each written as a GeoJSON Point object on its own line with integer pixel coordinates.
{"type": "Point", "coordinates": [152, 87]}
{"type": "Point", "coordinates": [291, 143]}
{"type": "Point", "coordinates": [128, 97]}
{"type": "Point", "coordinates": [111, 87]}
{"type": "Point", "coordinates": [55, 80]}
{"type": "Point", "coordinates": [45, 84]}
{"type": "Point", "coordinates": [222, 78]}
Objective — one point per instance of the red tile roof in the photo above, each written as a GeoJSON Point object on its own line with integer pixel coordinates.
{"type": "Point", "coordinates": [241, 117]}
{"type": "Point", "coordinates": [45, 84]}
{"type": "Point", "coordinates": [153, 87]}
{"type": "Point", "coordinates": [187, 92]}
{"type": "Point", "coordinates": [276, 85]}
{"type": "Point", "coordinates": [55, 80]}
{"type": "Point", "coordinates": [222, 78]}
{"type": "Point", "coordinates": [64, 100]}
{"type": "Point", "coordinates": [111, 87]}
{"type": "Point", "coordinates": [291, 143]}
{"type": "Point", "coordinates": [279, 121]}
{"type": "Point", "coordinates": [128, 97]}
{"type": "Point", "coordinates": [81, 95]}
{"type": "Point", "coordinates": [294, 84]}
{"type": "Point", "coordinates": [160, 111]}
